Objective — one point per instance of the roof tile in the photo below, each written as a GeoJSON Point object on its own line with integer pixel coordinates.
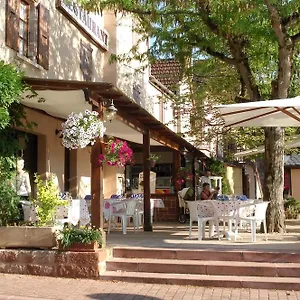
{"type": "Point", "coordinates": [167, 71]}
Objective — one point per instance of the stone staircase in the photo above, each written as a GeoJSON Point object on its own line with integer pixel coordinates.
{"type": "Point", "coordinates": [233, 269]}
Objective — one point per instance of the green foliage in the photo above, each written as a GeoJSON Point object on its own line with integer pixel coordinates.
{"type": "Point", "coordinates": [12, 114]}
{"type": "Point", "coordinates": [292, 208]}
{"type": "Point", "coordinates": [11, 89]}
{"type": "Point", "coordinates": [217, 168]}
{"type": "Point", "coordinates": [82, 235]}
{"type": "Point", "coordinates": [47, 200]}
{"type": "Point", "coordinates": [154, 157]}
{"type": "Point", "coordinates": [9, 201]}
{"type": "Point", "coordinates": [228, 51]}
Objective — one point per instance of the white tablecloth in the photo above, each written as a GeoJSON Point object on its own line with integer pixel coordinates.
{"type": "Point", "coordinates": [155, 203]}
{"type": "Point", "coordinates": [78, 212]}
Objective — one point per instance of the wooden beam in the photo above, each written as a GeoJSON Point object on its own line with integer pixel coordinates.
{"type": "Point", "coordinates": [97, 179]}
{"type": "Point", "coordinates": [146, 179]}
{"type": "Point", "coordinates": [253, 118]}
{"type": "Point", "coordinates": [285, 111]}
{"type": "Point", "coordinates": [242, 111]}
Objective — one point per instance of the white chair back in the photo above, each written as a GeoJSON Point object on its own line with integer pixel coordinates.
{"type": "Point", "coordinates": [205, 209]}
{"type": "Point", "coordinates": [192, 205]}
{"type": "Point", "coordinates": [131, 207]}
{"type": "Point", "coordinates": [225, 208]}
{"type": "Point", "coordinates": [260, 210]}
{"type": "Point", "coordinates": [61, 212]}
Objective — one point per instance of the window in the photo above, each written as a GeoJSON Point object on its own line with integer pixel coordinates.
{"type": "Point", "coordinates": [27, 30]}
{"type": "Point", "coordinates": [24, 28]}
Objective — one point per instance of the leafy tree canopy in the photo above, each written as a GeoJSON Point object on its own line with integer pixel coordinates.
{"type": "Point", "coordinates": [11, 114]}
{"type": "Point", "coordinates": [228, 49]}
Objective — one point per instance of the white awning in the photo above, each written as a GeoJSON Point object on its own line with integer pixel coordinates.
{"type": "Point", "coordinates": [269, 113]}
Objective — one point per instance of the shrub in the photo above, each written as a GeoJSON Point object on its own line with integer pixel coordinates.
{"type": "Point", "coordinates": [47, 200]}
{"type": "Point", "coordinates": [291, 208]}
{"type": "Point", "coordinates": [79, 235]}
{"type": "Point", "coordinates": [9, 204]}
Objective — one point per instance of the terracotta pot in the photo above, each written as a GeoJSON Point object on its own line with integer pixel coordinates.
{"type": "Point", "coordinates": [79, 247]}
{"type": "Point", "coordinates": [152, 163]}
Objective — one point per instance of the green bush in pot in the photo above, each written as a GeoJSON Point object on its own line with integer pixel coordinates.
{"type": "Point", "coordinates": [47, 200]}
{"type": "Point", "coordinates": [70, 235]}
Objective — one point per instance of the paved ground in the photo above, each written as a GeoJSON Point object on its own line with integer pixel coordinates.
{"type": "Point", "coordinates": [175, 235]}
{"type": "Point", "coordinates": [21, 287]}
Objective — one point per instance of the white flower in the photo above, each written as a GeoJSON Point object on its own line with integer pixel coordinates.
{"type": "Point", "coordinates": [81, 129]}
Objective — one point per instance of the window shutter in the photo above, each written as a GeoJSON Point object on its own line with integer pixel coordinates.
{"type": "Point", "coordinates": [32, 37]}
{"type": "Point", "coordinates": [12, 24]}
{"type": "Point", "coordinates": [43, 36]}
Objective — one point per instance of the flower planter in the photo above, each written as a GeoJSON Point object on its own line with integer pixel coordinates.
{"type": "Point", "coordinates": [27, 237]}
{"type": "Point", "coordinates": [79, 247]}
{"type": "Point", "coordinates": [152, 163]}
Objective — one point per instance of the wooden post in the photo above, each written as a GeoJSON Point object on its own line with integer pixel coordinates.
{"type": "Point", "coordinates": [97, 178]}
{"type": "Point", "coordinates": [146, 179]}
{"type": "Point", "coordinates": [194, 175]}
{"type": "Point", "coordinates": [176, 164]}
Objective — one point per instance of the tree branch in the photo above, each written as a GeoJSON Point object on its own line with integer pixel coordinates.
{"type": "Point", "coordinates": [277, 23]}
{"type": "Point", "coordinates": [291, 20]}
{"type": "Point", "coordinates": [296, 38]}
{"type": "Point", "coordinates": [204, 12]}
{"type": "Point", "coordinates": [219, 55]}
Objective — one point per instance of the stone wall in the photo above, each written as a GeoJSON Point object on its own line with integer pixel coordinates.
{"type": "Point", "coordinates": [53, 263]}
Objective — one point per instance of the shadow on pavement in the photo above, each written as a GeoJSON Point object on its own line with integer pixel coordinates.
{"type": "Point", "coordinates": [117, 296]}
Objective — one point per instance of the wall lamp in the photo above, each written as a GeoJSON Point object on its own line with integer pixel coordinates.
{"type": "Point", "coordinates": [110, 110]}
{"type": "Point", "coordinates": [184, 151]}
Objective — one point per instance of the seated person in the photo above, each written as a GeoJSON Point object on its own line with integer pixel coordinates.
{"type": "Point", "coordinates": [206, 194]}
{"type": "Point", "coordinates": [216, 192]}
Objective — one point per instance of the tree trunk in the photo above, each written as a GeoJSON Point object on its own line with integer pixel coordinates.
{"type": "Point", "coordinates": [273, 183]}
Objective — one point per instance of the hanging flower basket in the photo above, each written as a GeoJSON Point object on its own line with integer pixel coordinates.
{"type": "Point", "coordinates": [82, 129]}
{"type": "Point", "coordinates": [117, 153]}
{"type": "Point", "coordinates": [153, 159]}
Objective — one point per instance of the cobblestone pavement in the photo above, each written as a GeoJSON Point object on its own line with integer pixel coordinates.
{"type": "Point", "coordinates": [21, 287]}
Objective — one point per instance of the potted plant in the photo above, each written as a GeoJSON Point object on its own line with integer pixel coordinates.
{"type": "Point", "coordinates": [81, 130]}
{"type": "Point", "coordinates": [47, 200]}
{"type": "Point", "coordinates": [117, 153]}
{"type": "Point", "coordinates": [153, 159]}
{"type": "Point", "coordinates": [43, 234]}
{"type": "Point", "coordinates": [80, 239]}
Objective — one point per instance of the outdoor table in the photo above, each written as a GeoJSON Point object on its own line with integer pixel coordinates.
{"type": "Point", "coordinates": [230, 208]}
{"type": "Point", "coordinates": [155, 203]}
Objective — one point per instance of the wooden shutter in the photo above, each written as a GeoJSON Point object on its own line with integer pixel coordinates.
{"type": "Point", "coordinates": [12, 24]}
{"type": "Point", "coordinates": [32, 36]}
{"type": "Point", "coordinates": [43, 36]}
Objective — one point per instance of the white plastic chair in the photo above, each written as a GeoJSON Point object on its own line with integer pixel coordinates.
{"type": "Point", "coordinates": [62, 215]}
{"type": "Point", "coordinates": [201, 212]}
{"type": "Point", "coordinates": [29, 211]}
{"type": "Point", "coordinates": [140, 211]}
{"type": "Point", "coordinates": [125, 211]}
{"type": "Point", "coordinates": [258, 217]}
{"type": "Point", "coordinates": [227, 211]}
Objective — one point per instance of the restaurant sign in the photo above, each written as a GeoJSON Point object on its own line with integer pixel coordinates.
{"type": "Point", "coordinates": [88, 22]}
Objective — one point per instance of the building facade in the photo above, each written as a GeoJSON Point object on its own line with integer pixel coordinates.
{"type": "Point", "coordinates": [55, 43]}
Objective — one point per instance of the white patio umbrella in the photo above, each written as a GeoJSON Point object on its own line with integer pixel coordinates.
{"type": "Point", "coordinates": [269, 113]}
{"type": "Point", "coordinates": [292, 143]}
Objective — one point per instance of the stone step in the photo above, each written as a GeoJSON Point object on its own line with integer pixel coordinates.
{"type": "Point", "coordinates": [177, 266]}
{"type": "Point", "coordinates": [278, 283]}
{"type": "Point", "coordinates": [212, 255]}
